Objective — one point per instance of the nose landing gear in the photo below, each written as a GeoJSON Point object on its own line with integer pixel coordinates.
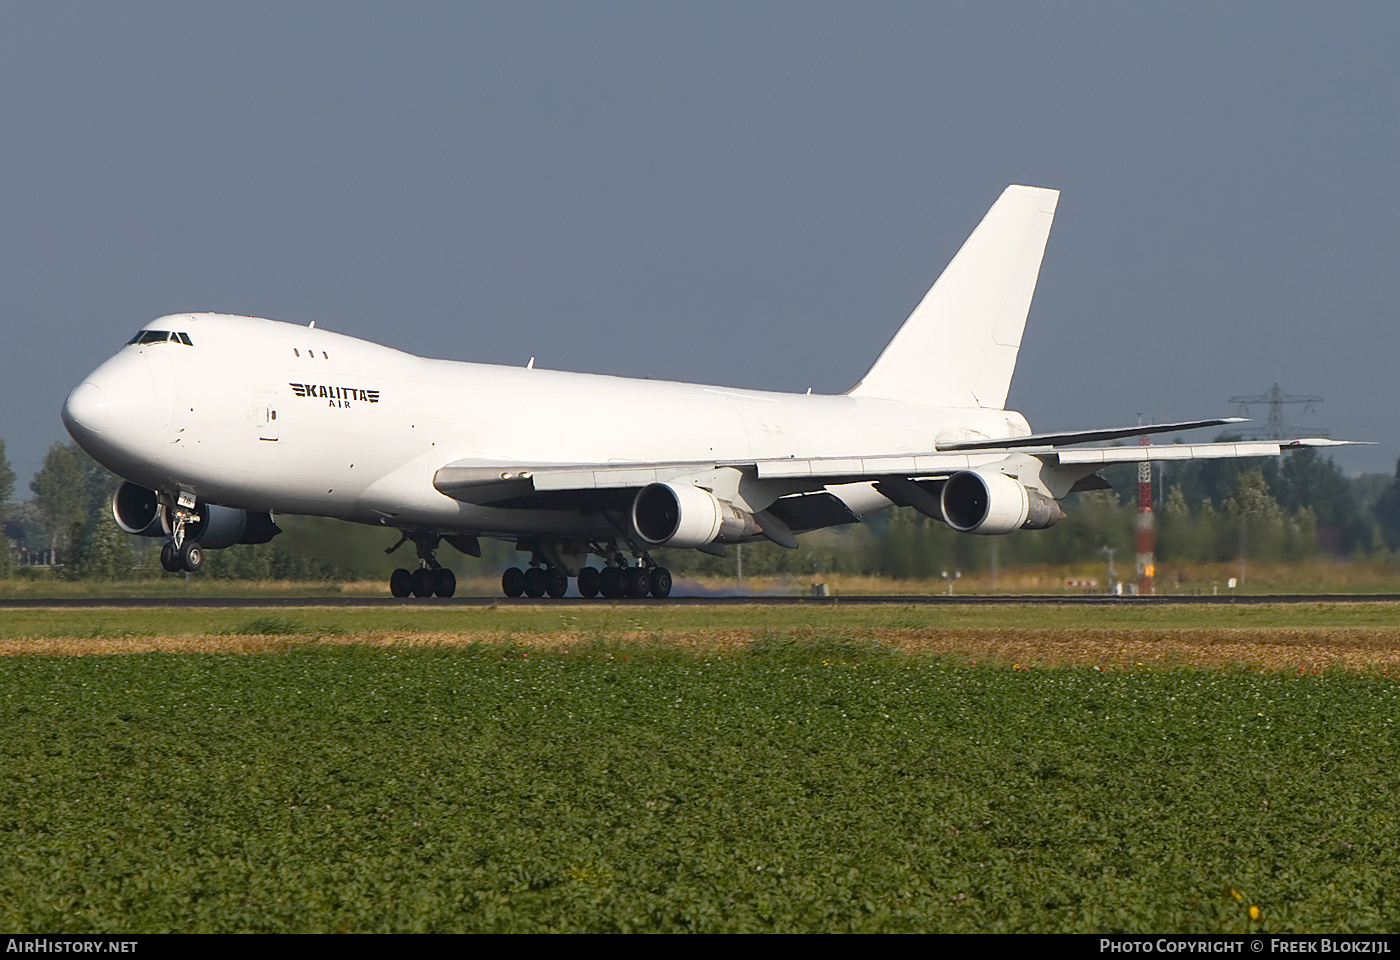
{"type": "Point", "coordinates": [189, 556]}
{"type": "Point", "coordinates": [180, 552]}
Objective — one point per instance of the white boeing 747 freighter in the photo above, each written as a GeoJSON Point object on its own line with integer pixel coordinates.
{"type": "Point", "coordinates": [216, 423]}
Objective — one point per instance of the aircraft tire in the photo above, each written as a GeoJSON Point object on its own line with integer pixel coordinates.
{"type": "Point", "coordinates": [444, 582]}
{"type": "Point", "coordinates": [556, 582]}
{"type": "Point", "coordinates": [534, 583]}
{"type": "Point", "coordinates": [638, 582]}
{"type": "Point", "coordinates": [400, 583]}
{"type": "Point", "coordinates": [191, 556]}
{"type": "Point", "coordinates": [610, 582]}
{"type": "Point", "coordinates": [660, 582]}
{"type": "Point", "coordinates": [423, 582]}
{"type": "Point", "coordinates": [589, 582]}
{"type": "Point", "coordinates": [170, 558]}
{"type": "Point", "coordinates": [513, 582]}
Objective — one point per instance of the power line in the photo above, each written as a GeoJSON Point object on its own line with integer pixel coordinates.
{"type": "Point", "coordinates": [1276, 399]}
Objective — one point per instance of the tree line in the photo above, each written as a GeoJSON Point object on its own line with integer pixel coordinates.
{"type": "Point", "coordinates": [1278, 509]}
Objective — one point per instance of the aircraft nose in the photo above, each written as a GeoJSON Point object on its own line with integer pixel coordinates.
{"type": "Point", "coordinates": [87, 409]}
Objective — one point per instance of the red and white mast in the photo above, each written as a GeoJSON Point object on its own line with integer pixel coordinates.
{"type": "Point", "coordinates": [1146, 532]}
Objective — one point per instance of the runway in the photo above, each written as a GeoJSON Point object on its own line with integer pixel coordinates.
{"type": "Point", "coordinates": [1094, 600]}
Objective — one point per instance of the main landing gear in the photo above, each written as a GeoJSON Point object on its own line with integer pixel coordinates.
{"type": "Point", "coordinates": [431, 578]}
{"type": "Point", "coordinates": [553, 563]}
{"type": "Point", "coordinates": [547, 573]}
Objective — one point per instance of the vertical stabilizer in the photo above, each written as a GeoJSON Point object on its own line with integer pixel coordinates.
{"type": "Point", "coordinates": [958, 348]}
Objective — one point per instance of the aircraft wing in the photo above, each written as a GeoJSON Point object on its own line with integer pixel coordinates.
{"type": "Point", "coordinates": [1069, 465]}
{"type": "Point", "coordinates": [548, 485]}
{"type": "Point", "coordinates": [515, 484]}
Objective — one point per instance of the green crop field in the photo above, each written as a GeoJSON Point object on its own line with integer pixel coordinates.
{"type": "Point", "coordinates": [810, 778]}
{"type": "Point", "coordinates": [598, 618]}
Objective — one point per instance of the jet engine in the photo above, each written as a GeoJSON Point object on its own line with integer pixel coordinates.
{"type": "Point", "coordinates": [138, 510]}
{"type": "Point", "coordinates": [993, 503]}
{"type": "Point", "coordinates": [217, 527]}
{"type": "Point", "coordinates": [682, 515]}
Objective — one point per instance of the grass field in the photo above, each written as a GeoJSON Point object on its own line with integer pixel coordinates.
{"type": "Point", "coordinates": [713, 769]}
{"type": "Point", "coordinates": [1318, 575]}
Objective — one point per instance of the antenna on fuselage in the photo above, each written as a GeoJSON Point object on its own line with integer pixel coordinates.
{"type": "Point", "coordinates": [311, 325]}
{"type": "Point", "coordinates": [531, 364]}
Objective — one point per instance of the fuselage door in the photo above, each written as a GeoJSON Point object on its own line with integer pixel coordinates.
{"type": "Point", "coordinates": [267, 414]}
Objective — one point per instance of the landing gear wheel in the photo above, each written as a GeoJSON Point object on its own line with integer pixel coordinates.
{"type": "Point", "coordinates": [513, 582]}
{"type": "Point", "coordinates": [556, 582]}
{"type": "Point", "coordinates": [191, 556]}
{"type": "Point", "coordinates": [610, 582]}
{"type": "Point", "coordinates": [660, 582]}
{"type": "Point", "coordinates": [638, 581]}
{"type": "Point", "coordinates": [170, 558]}
{"type": "Point", "coordinates": [423, 582]}
{"type": "Point", "coordinates": [444, 582]}
{"type": "Point", "coordinates": [401, 582]}
{"type": "Point", "coordinates": [534, 583]}
{"type": "Point", "coordinates": [589, 582]}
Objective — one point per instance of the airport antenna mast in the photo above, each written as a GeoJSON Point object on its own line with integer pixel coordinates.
{"type": "Point", "coordinates": [1276, 399]}
{"type": "Point", "coordinates": [1146, 532]}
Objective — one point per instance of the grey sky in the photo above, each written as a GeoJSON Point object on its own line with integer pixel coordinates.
{"type": "Point", "coordinates": [748, 194]}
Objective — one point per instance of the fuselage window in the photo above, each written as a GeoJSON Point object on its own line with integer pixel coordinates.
{"type": "Point", "coordinates": [324, 356]}
{"type": "Point", "coordinates": [185, 339]}
{"type": "Point", "coordinates": [296, 351]}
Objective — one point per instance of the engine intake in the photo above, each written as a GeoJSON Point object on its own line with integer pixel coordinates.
{"type": "Point", "coordinates": [993, 503]}
{"type": "Point", "coordinates": [682, 515]}
{"type": "Point", "coordinates": [137, 510]}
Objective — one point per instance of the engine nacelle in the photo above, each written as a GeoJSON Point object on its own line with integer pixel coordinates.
{"type": "Point", "coordinates": [993, 503]}
{"type": "Point", "coordinates": [682, 515]}
{"type": "Point", "coordinates": [217, 527]}
{"type": "Point", "coordinates": [137, 510]}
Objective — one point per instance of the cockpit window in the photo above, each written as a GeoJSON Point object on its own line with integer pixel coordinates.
{"type": "Point", "coordinates": [160, 336]}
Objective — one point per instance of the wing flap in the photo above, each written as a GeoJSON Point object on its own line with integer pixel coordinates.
{"type": "Point", "coordinates": [850, 469]}
{"type": "Point", "coordinates": [1099, 456]}
{"type": "Point", "coordinates": [480, 483]}
{"type": "Point", "coordinates": [812, 511]}
{"type": "Point", "coordinates": [1185, 451]}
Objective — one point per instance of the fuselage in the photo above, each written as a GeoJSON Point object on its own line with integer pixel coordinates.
{"type": "Point", "coordinates": [270, 416]}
